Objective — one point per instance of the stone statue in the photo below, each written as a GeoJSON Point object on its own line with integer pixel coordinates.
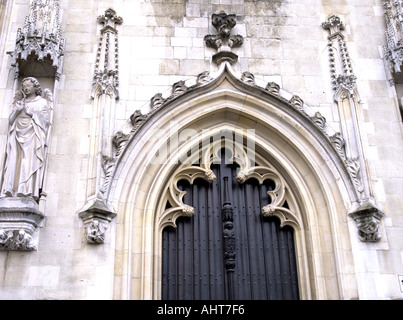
{"type": "Point", "coordinates": [27, 141]}
{"type": "Point", "coordinates": [5, 238]}
{"type": "Point", "coordinates": [24, 241]}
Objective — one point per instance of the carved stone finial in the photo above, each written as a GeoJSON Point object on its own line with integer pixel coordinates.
{"type": "Point", "coordinates": [223, 41]}
{"type": "Point", "coordinates": [341, 72]}
{"type": "Point", "coordinates": [334, 24]}
{"type": "Point", "coordinates": [110, 18]}
{"type": "Point", "coordinates": [106, 74]}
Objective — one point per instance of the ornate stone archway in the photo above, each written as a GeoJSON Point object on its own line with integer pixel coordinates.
{"type": "Point", "coordinates": [297, 144]}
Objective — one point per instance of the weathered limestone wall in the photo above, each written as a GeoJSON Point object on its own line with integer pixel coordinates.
{"type": "Point", "coordinates": [160, 43]}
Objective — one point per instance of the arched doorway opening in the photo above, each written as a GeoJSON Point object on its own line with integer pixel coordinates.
{"type": "Point", "coordinates": [317, 185]}
{"type": "Point", "coordinates": [229, 249]}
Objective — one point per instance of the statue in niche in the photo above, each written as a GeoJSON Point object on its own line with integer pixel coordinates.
{"type": "Point", "coordinates": [27, 141]}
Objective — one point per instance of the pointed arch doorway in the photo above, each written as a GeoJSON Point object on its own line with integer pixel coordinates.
{"type": "Point", "coordinates": [291, 149]}
{"type": "Point", "coordinates": [228, 249]}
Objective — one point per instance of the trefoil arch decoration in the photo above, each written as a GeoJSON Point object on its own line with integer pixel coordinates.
{"type": "Point", "coordinates": [247, 170]}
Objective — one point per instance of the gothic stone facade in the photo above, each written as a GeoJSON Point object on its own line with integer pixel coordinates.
{"type": "Point", "coordinates": [312, 87]}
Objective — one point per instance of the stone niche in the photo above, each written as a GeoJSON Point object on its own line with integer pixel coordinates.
{"type": "Point", "coordinates": [38, 57]}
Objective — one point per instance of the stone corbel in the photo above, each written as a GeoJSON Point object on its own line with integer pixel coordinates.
{"type": "Point", "coordinates": [368, 218]}
{"type": "Point", "coordinates": [96, 218]}
{"type": "Point", "coordinates": [20, 219]}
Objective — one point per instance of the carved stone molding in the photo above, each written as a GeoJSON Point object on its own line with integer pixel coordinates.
{"type": "Point", "coordinates": [296, 107]}
{"type": "Point", "coordinates": [39, 42]}
{"type": "Point", "coordinates": [223, 41]}
{"type": "Point", "coordinates": [179, 89]}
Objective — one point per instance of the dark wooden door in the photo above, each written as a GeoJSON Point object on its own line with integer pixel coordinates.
{"type": "Point", "coordinates": [195, 257]}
